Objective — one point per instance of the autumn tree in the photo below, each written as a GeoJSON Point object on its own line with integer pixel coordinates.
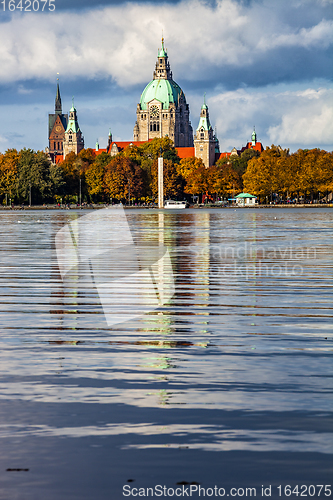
{"type": "Point", "coordinates": [260, 177]}
{"type": "Point", "coordinates": [198, 181]}
{"type": "Point", "coordinates": [173, 182]}
{"type": "Point", "coordinates": [187, 165]}
{"type": "Point", "coordinates": [8, 173]}
{"type": "Point", "coordinates": [225, 179]}
{"type": "Point", "coordinates": [123, 179]}
{"type": "Point", "coordinates": [33, 175]}
{"type": "Point", "coordinates": [94, 175]}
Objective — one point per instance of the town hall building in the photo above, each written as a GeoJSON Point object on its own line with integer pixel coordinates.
{"type": "Point", "coordinates": [161, 112]}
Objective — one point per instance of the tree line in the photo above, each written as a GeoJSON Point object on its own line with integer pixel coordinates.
{"type": "Point", "coordinates": [131, 176]}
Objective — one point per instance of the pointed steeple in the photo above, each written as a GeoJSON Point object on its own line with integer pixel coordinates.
{"type": "Point", "coordinates": [58, 107]}
{"type": "Point", "coordinates": [204, 122]}
{"type": "Point", "coordinates": [162, 52]}
{"type": "Point", "coordinates": [162, 67]}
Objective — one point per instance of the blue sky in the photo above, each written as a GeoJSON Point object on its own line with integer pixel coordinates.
{"type": "Point", "coordinates": [266, 63]}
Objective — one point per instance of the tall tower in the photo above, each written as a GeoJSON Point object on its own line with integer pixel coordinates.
{"type": "Point", "coordinates": [73, 141]}
{"type": "Point", "coordinates": [57, 127]}
{"type": "Point", "coordinates": [204, 140]}
{"type": "Point", "coordinates": [162, 110]}
{"type": "Point", "coordinates": [254, 136]}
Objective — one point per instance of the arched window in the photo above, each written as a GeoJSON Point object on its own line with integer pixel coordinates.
{"type": "Point", "coordinates": [202, 135]}
{"type": "Point", "coordinates": [55, 145]}
{"type": "Point", "coordinates": [154, 127]}
{"type": "Point", "coordinates": [158, 127]}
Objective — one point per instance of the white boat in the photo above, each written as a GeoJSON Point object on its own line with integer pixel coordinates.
{"type": "Point", "coordinates": [175, 204]}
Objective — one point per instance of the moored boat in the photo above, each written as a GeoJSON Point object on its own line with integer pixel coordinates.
{"type": "Point", "coordinates": [175, 204]}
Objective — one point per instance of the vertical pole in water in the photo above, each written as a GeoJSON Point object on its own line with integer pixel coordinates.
{"type": "Point", "coordinates": [160, 183]}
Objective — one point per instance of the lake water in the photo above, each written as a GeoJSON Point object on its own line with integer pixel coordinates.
{"type": "Point", "coordinates": [227, 384]}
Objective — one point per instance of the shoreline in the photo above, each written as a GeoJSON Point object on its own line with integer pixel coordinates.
{"type": "Point", "coordinates": [213, 207]}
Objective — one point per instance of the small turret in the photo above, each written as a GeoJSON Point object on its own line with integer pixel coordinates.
{"type": "Point", "coordinates": [254, 136]}
{"type": "Point", "coordinates": [109, 141]}
{"type": "Point", "coordinates": [97, 145]}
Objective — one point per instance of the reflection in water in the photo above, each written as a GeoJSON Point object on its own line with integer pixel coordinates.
{"type": "Point", "coordinates": [237, 359]}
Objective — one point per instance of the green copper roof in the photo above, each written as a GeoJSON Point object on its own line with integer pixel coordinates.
{"type": "Point", "coordinates": [162, 52]}
{"type": "Point", "coordinates": [73, 126]}
{"type": "Point", "coordinates": [165, 91]}
{"type": "Point", "coordinates": [204, 123]}
{"type": "Point", "coordinates": [245, 195]}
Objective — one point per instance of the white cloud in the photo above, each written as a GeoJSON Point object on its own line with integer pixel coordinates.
{"type": "Point", "coordinates": [307, 118]}
{"type": "Point", "coordinates": [292, 119]}
{"type": "Point", "coordinates": [121, 41]}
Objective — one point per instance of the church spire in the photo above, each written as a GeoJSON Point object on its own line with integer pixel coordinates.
{"type": "Point", "coordinates": [58, 107]}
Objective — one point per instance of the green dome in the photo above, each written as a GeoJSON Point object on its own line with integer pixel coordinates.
{"type": "Point", "coordinates": [165, 91]}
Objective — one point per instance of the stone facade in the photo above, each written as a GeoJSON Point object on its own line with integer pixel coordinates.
{"type": "Point", "coordinates": [205, 143]}
{"type": "Point", "coordinates": [163, 110]}
{"type": "Point", "coordinates": [74, 141]}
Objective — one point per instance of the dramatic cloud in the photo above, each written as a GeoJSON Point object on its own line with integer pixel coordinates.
{"type": "Point", "coordinates": [254, 58]}
{"type": "Point", "coordinates": [205, 42]}
{"type": "Point", "coordinates": [293, 118]}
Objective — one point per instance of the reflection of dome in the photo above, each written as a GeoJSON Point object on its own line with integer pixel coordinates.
{"type": "Point", "coordinates": [165, 91]}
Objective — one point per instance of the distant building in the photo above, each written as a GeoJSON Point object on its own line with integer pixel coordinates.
{"type": "Point", "coordinates": [73, 141]}
{"type": "Point", "coordinates": [253, 144]}
{"type": "Point", "coordinates": [161, 112]}
{"type": "Point", "coordinates": [57, 127]}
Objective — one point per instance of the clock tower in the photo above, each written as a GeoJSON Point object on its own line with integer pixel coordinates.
{"type": "Point", "coordinates": [57, 127]}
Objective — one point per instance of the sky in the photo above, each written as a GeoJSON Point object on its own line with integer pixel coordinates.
{"type": "Point", "coordinates": [262, 63]}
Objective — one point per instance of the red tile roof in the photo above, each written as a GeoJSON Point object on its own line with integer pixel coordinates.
{"type": "Point", "coordinates": [257, 147]}
{"type": "Point", "coordinates": [218, 156]}
{"type": "Point", "coordinates": [124, 144]}
{"type": "Point", "coordinates": [59, 158]}
{"type": "Point", "coordinates": [185, 152]}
